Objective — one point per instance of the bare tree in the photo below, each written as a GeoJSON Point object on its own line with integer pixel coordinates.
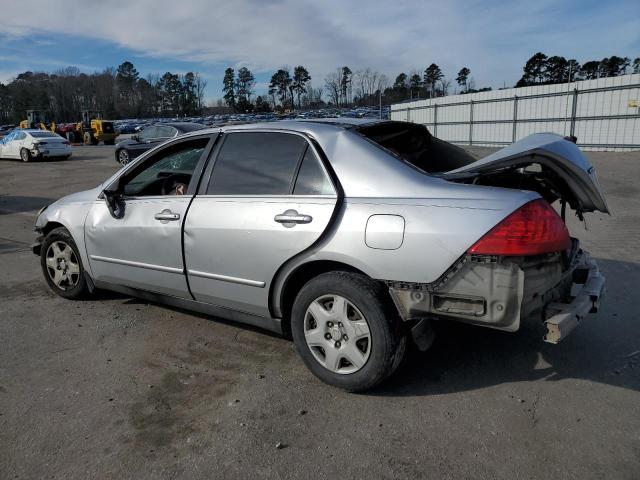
{"type": "Point", "coordinates": [332, 85]}
{"type": "Point", "coordinates": [201, 85]}
{"type": "Point", "coordinates": [444, 86]}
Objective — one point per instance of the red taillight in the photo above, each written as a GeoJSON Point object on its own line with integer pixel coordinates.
{"type": "Point", "coordinates": [533, 229]}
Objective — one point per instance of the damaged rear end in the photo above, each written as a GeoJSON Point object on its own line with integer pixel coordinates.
{"type": "Point", "coordinates": [527, 267]}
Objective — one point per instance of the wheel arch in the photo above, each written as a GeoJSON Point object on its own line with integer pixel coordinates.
{"type": "Point", "coordinates": [296, 279]}
{"type": "Point", "coordinates": [51, 225]}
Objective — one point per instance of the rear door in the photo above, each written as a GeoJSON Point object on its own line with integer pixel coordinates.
{"type": "Point", "coordinates": [14, 146]}
{"type": "Point", "coordinates": [268, 197]}
{"type": "Point", "coordinates": [6, 149]}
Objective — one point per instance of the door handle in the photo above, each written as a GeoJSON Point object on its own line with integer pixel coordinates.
{"type": "Point", "coordinates": [291, 218]}
{"type": "Point", "coordinates": [167, 215]}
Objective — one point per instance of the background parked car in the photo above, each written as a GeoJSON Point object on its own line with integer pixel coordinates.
{"type": "Point", "coordinates": [34, 144]}
{"type": "Point", "coordinates": [153, 135]}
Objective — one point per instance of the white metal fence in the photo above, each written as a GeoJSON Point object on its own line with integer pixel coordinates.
{"type": "Point", "coordinates": [604, 114]}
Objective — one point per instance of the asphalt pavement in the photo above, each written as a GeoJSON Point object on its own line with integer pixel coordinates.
{"type": "Point", "coordinates": [114, 387]}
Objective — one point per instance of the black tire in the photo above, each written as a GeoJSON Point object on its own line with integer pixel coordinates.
{"type": "Point", "coordinates": [122, 156]}
{"type": "Point", "coordinates": [387, 336]}
{"type": "Point", "coordinates": [25, 155]}
{"type": "Point", "coordinates": [76, 286]}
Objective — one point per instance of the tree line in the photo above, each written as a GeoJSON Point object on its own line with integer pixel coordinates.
{"type": "Point", "coordinates": [116, 93]}
{"type": "Point", "coordinates": [123, 93]}
{"type": "Point", "coordinates": [345, 88]}
{"type": "Point", "coordinates": [541, 70]}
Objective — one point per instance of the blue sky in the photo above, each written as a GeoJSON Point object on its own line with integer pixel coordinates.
{"type": "Point", "coordinates": [492, 38]}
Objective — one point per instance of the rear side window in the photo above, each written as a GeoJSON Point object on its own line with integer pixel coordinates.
{"type": "Point", "coordinates": [256, 163]}
{"type": "Point", "coordinates": [311, 178]}
{"type": "Point", "coordinates": [44, 134]}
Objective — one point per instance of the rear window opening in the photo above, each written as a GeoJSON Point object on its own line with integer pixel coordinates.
{"type": "Point", "coordinates": [414, 144]}
{"type": "Point", "coordinates": [44, 134]}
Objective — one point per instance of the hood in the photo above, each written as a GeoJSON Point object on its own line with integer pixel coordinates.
{"type": "Point", "coordinates": [561, 162]}
{"type": "Point", "coordinates": [80, 197]}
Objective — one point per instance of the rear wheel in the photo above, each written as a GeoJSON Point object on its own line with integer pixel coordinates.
{"type": "Point", "coordinates": [62, 266]}
{"type": "Point", "coordinates": [25, 155]}
{"type": "Point", "coordinates": [347, 331]}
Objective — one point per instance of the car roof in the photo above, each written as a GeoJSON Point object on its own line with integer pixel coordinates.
{"type": "Point", "coordinates": [178, 125]}
{"type": "Point", "coordinates": [308, 126]}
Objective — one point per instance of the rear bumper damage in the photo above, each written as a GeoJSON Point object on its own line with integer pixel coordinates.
{"type": "Point", "coordinates": [501, 292]}
{"type": "Point", "coordinates": [585, 299]}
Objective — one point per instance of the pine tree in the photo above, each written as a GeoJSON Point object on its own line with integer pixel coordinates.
{"type": "Point", "coordinates": [229, 88]}
{"type": "Point", "coordinates": [245, 85]}
{"type": "Point", "coordinates": [463, 77]}
{"type": "Point", "coordinates": [300, 79]}
{"type": "Point", "coordinates": [432, 75]}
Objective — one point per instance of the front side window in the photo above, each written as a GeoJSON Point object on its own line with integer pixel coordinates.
{"type": "Point", "coordinates": [20, 136]}
{"type": "Point", "coordinates": [168, 172]}
{"type": "Point", "coordinates": [256, 163]}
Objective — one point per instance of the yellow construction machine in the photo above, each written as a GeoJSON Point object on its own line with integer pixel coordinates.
{"type": "Point", "coordinates": [38, 119]}
{"type": "Point", "coordinates": [93, 129]}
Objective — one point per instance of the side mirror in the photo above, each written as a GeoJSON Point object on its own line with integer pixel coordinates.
{"type": "Point", "coordinates": [135, 138]}
{"type": "Point", "coordinates": [115, 203]}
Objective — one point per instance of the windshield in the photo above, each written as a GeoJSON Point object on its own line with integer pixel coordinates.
{"type": "Point", "coordinates": [415, 145]}
{"type": "Point", "coordinates": [43, 134]}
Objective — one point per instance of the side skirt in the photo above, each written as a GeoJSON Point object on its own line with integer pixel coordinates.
{"type": "Point", "coordinates": [271, 324]}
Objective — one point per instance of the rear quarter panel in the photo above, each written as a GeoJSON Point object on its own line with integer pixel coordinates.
{"type": "Point", "coordinates": [438, 231]}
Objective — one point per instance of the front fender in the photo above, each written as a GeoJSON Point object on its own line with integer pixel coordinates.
{"type": "Point", "coordinates": [69, 212]}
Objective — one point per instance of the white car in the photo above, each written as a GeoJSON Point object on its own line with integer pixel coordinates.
{"type": "Point", "coordinates": [33, 144]}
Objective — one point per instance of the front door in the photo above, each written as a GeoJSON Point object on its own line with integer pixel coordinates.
{"type": "Point", "coordinates": [143, 249]}
{"type": "Point", "coordinates": [268, 199]}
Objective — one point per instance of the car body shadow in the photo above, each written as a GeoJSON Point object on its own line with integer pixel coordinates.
{"type": "Point", "coordinates": [605, 348]}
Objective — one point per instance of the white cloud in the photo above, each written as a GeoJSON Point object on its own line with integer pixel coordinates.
{"type": "Point", "coordinates": [493, 39]}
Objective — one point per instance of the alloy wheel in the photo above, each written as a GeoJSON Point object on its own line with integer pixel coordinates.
{"type": "Point", "coordinates": [123, 157]}
{"type": "Point", "coordinates": [62, 265]}
{"type": "Point", "coordinates": [337, 334]}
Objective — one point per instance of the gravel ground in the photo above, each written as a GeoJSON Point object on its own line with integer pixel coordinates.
{"type": "Point", "coordinates": [114, 387]}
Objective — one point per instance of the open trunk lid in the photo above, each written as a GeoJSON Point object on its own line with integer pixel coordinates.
{"type": "Point", "coordinates": [563, 169]}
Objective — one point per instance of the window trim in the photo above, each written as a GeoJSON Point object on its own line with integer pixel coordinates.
{"type": "Point", "coordinates": [197, 171]}
{"type": "Point", "coordinates": [208, 174]}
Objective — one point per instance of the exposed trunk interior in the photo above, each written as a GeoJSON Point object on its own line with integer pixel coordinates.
{"type": "Point", "coordinates": [546, 163]}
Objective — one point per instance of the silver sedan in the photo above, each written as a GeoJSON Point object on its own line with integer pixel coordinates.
{"type": "Point", "coordinates": [351, 236]}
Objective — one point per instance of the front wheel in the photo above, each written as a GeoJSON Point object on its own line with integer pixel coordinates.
{"type": "Point", "coordinates": [347, 331]}
{"type": "Point", "coordinates": [123, 157]}
{"type": "Point", "coordinates": [62, 266]}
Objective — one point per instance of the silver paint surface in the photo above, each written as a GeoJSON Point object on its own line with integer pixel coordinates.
{"type": "Point", "coordinates": [232, 245]}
